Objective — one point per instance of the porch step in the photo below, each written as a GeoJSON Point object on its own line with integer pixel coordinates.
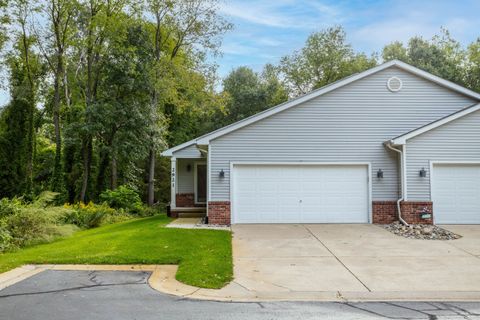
{"type": "Point", "coordinates": [190, 212]}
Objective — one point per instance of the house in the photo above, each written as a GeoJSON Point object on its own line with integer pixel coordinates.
{"type": "Point", "coordinates": [393, 139]}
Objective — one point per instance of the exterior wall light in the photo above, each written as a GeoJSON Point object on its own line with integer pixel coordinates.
{"type": "Point", "coordinates": [423, 173]}
{"type": "Point", "coordinates": [189, 167]}
{"type": "Point", "coordinates": [221, 174]}
{"type": "Point", "coordinates": [380, 174]}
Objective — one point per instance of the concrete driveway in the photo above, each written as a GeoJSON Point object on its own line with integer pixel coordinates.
{"type": "Point", "coordinates": [354, 258]}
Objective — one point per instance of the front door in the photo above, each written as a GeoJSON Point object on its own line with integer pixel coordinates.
{"type": "Point", "coordinates": [200, 183]}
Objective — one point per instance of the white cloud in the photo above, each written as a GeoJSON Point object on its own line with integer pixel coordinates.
{"type": "Point", "coordinates": [379, 34]}
{"type": "Point", "coordinates": [282, 14]}
{"type": "Point", "coordinates": [238, 48]}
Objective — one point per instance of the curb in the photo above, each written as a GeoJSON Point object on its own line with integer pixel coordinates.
{"type": "Point", "coordinates": [162, 279]}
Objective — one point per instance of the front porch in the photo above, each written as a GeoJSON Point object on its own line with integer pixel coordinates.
{"type": "Point", "coordinates": [188, 187]}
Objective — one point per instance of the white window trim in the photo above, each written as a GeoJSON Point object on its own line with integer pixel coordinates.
{"type": "Point", "coordinates": [195, 186]}
{"type": "Point", "coordinates": [367, 164]}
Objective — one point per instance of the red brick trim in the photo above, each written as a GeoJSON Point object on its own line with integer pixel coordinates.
{"type": "Point", "coordinates": [219, 212]}
{"type": "Point", "coordinates": [384, 212]}
{"type": "Point", "coordinates": [412, 211]}
{"type": "Point", "coordinates": [186, 200]}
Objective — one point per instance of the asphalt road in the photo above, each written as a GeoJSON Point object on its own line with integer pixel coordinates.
{"type": "Point", "coordinates": [65, 295]}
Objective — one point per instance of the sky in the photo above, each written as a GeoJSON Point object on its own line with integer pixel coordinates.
{"type": "Point", "coordinates": [266, 30]}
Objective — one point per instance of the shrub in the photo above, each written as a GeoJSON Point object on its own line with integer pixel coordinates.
{"type": "Point", "coordinates": [9, 207]}
{"type": "Point", "coordinates": [5, 237]}
{"type": "Point", "coordinates": [123, 198]}
{"type": "Point", "coordinates": [45, 199]}
{"type": "Point", "coordinates": [148, 211]}
{"type": "Point", "coordinates": [117, 216]}
{"type": "Point", "coordinates": [30, 225]}
{"type": "Point", "coordinates": [88, 215]}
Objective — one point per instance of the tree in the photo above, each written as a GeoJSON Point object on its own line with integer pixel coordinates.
{"type": "Point", "coordinates": [326, 58]}
{"type": "Point", "coordinates": [275, 90]}
{"type": "Point", "coordinates": [95, 84]}
{"type": "Point", "coordinates": [472, 78]}
{"type": "Point", "coordinates": [442, 55]}
{"type": "Point", "coordinates": [17, 121]}
{"type": "Point", "coordinates": [249, 93]}
{"type": "Point", "coordinates": [122, 111]}
{"type": "Point", "coordinates": [4, 21]}
{"type": "Point", "coordinates": [191, 26]}
{"type": "Point", "coordinates": [54, 42]}
{"type": "Point", "coordinates": [24, 79]}
{"type": "Point", "coordinates": [97, 23]}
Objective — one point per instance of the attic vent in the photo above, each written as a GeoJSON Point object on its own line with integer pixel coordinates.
{"type": "Point", "coordinates": [394, 84]}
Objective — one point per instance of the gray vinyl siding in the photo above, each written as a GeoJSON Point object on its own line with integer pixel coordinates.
{"type": "Point", "coordinates": [346, 125]}
{"type": "Point", "coordinates": [185, 178]}
{"type": "Point", "coordinates": [188, 152]}
{"type": "Point", "coordinates": [458, 140]}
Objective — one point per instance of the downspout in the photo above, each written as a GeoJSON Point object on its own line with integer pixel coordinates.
{"type": "Point", "coordinates": [402, 172]}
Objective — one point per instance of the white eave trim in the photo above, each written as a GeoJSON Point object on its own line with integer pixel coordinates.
{"type": "Point", "coordinates": [169, 152]}
{"type": "Point", "coordinates": [401, 140]}
{"type": "Point", "coordinates": [204, 140]}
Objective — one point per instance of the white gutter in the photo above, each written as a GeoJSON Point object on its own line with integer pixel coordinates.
{"type": "Point", "coordinates": [402, 173]}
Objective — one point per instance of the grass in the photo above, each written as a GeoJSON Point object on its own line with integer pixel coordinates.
{"type": "Point", "coordinates": [204, 256]}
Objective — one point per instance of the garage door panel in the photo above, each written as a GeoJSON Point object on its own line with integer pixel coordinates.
{"type": "Point", "coordinates": [300, 194]}
{"type": "Point", "coordinates": [456, 193]}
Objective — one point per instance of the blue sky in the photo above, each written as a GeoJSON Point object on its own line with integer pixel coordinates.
{"type": "Point", "coordinates": [267, 30]}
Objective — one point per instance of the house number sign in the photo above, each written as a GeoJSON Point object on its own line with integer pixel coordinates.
{"type": "Point", "coordinates": [173, 177]}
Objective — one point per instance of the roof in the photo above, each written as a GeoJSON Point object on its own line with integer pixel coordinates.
{"type": "Point", "coordinates": [205, 139]}
{"type": "Point", "coordinates": [402, 139]}
{"type": "Point", "coordinates": [169, 152]}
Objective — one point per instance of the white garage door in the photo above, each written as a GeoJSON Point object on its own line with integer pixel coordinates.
{"type": "Point", "coordinates": [456, 194]}
{"type": "Point", "coordinates": [300, 194]}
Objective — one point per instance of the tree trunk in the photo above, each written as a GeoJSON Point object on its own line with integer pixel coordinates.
{"type": "Point", "coordinates": [31, 118]}
{"type": "Point", "coordinates": [87, 157]}
{"type": "Point", "coordinates": [114, 177]}
{"type": "Point", "coordinates": [57, 167]}
{"type": "Point", "coordinates": [102, 169]}
{"type": "Point", "coordinates": [151, 178]}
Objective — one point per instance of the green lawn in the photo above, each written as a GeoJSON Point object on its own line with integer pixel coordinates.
{"type": "Point", "coordinates": [204, 256]}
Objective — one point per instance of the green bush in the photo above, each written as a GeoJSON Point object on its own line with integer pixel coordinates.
{"type": "Point", "coordinates": [123, 198]}
{"type": "Point", "coordinates": [23, 223]}
{"type": "Point", "coordinates": [88, 215]}
{"type": "Point", "coordinates": [9, 207]}
{"type": "Point", "coordinates": [5, 237]}
{"type": "Point", "coordinates": [33, 225]}
{"type": "Point", "coordinates": [26, 226]}
{"type": "Point", "coordinates": [147, 211]}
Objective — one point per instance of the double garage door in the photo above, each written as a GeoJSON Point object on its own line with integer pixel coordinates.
{"type": "Point", "coordinates": [456, 193]}
{"type": "Point", "coordinates": [300, 194]}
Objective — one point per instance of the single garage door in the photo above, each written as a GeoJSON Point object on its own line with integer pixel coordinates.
{"type": "Point", "coordinates": [300, 194]}
{"type": "Point", "coordinates": [456, 194]}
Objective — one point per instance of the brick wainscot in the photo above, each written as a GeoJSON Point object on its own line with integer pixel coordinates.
{"type": "Point", "coordinates": [219, 212]}
{"type": "Point", "coordinates": [385, 212]}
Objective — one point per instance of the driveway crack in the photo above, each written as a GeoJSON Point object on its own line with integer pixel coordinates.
{"type": "Point", "coordinates": [69, 289]}
{"type": "Point", "coordinates": [340, 261]}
